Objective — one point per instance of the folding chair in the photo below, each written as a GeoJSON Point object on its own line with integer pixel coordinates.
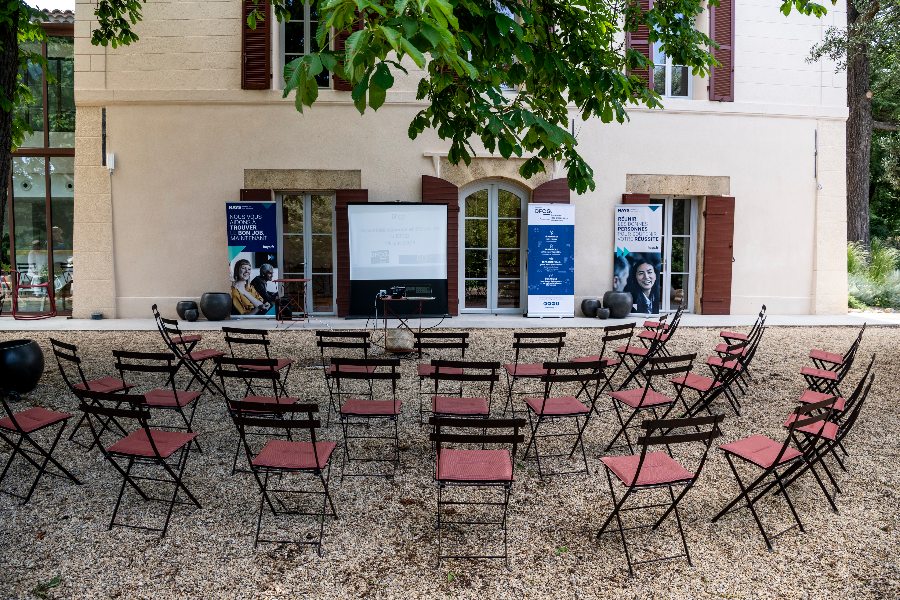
{"type": "Point", "coordinates": [188, 340]}
{"type": "Point", "coordinates": [656, 470]}
{"type": "Point", "coordinates": [662, 332]}
{"type": "Point", "coordinates": [831, 361]}
{"type": "Point", "coordinates": [248, 338]}
{"type": "Point", "coordinates": [740, 356]}
{"type": "Point", "coordinates": [640, 355]}
{"type": "Point", "coordinates": [770, 456]}
{"type": "Point", "coordinates": [144, 447]}
{"type": "Point", "coordinates": [343, 342]}
{"type": "Point", "coordinates": [522, 371]}
{"type": "Point", "coordinates": [282, 457]}
{"type": "Point", "coordinates": [437, 341]}
{"type": "Point", "coordinates": [262, 369]}
{"type": "Point", "coordinates": [708, 389]}
{"type": "Point", "coordinates": [613, 335]}
{"type": "Point", "coordinates": [553, 407]}
{"type": "Point", "coordinates": [67, 354]}
{"type": "Point", "coordinates": [638, 400]}
{"type": "Point", "coordinates": [365, 411]}
{"type": "Point", "coordinates": [171, 399]}
{"type": "Point", "coordinates": [462, 372]}
{"type": "Point", "coordinates": [842, 406]}
{"type": "Point", "coordinates": [18, 431]}
{"type": "Point", "coordinates": [195, 360]}
{"type": "Point", "coordinates": [478, 469]}
{"type": "Point", "coordinates": [828, 380]}
{"type": "Point", "coordinates": [731, 337]}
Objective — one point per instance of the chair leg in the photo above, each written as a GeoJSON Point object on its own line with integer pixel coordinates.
{"type": "Point", "coordinates": [745, 495]}
{"type": "Point", "coordinates": [47, 458]}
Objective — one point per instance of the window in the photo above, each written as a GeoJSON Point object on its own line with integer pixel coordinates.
{"type": "Point", "coordinates": [298, 36]}
{"type": "Point", "coordinates": [671, 81]}
{"type": "Point", "coordinates": [308, 245]}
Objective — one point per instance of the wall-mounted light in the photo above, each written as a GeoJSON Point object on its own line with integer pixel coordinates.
{"type": "Point", "coordinates": [110, 162]}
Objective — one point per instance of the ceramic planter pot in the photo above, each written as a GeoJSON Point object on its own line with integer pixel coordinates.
{"type": "Point", "coordinates": [191, 314]}
{"type": "Point", "coordinates": [589, 307]}
{"type": "Point", "coordinates": [216, 306]}
{"type": "Point", "coordinates": [183, 306]}
{"type": "Point", "coordinates": [21, 365]}
{"type": "Point", "coordinates": [602, 313]}
{"type": "Point", "coordinates": [618, 303]}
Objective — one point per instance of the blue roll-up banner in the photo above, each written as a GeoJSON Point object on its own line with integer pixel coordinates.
{"type": "Point", "coordinates": [252, 257]}
{"type": "Point", "coordinates": [551, 260]}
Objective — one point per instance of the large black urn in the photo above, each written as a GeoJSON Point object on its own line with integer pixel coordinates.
{"type": "Point", "coordinates": [183, 306]}
{"type": "Point", "coordinates": [589, 307]}
{"type": "Point", "coordinates": [21, 365]}
{"type": "Point", "coordinates": [618, 303]}
{"type": "Point", "coordinates": [215, 306]}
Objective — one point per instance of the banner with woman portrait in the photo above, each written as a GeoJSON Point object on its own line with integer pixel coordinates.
{"type": "Point", "coordinates": [638, 259]}
{"type": "Point", "coordinates": [253, 257]}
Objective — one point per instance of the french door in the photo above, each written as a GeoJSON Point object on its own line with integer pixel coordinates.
{"type": "Point", "coordinates": [679, 251]}
{"type": "Point", "coordinates": [492, 248]}
{"type": "Point", "coordinates": [306, 227]}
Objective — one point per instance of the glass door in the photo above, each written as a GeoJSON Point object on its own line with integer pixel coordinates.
{"type": "Point", "coordinates": [307, 246]}
{"type": "Point", "coordinates": [679, 252]}
{"type": "Point", "coordinates": [492, 247]}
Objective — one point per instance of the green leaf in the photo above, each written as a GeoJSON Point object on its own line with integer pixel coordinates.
{"type": "Point", "coordinates": [383, 77]}
{"type": "Point", "coordinates": [377, 95]}
{"type": "Point", "coordinates": [432, 34]}
{"type": "Point", "coordinates": [400, 6]}
{"type": "Point", "coordinates": [392, 35]}
{"type": "Point", "coordinates": [359, 94]}
{"type": "Point", "coordinates": [410, 49]}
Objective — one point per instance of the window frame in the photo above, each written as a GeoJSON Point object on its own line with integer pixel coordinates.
{"type": "Point", "coordinates": [668, 78]}
{"type": "Point", "coordinates": [307, 44]}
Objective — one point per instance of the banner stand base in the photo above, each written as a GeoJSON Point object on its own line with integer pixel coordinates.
{"type": "Point", "coordinates": [549, 316]}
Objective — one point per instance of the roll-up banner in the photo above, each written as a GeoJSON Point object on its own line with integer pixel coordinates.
{"type": "Point", "coordinates": [252, 257]}
{"type": "Point", "coordinates": [638, 257]}
{"type": "Point", "coordinates": [551, 260]}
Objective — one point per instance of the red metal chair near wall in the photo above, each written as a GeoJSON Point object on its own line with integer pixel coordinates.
{"type": "Point", "coordinates": [15, 280]}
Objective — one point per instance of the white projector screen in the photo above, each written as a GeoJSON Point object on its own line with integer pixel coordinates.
{"type": "Point", "coordinates": [398, 241]}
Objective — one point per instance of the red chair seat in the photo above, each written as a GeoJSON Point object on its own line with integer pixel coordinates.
{"type": "Point", "coordinates": [474, 465]}
{"type": "Point", "coordinates": [829, 357]}
{"type": "Point", "coordinates": [652, 335]}
{"type": "Point", "coordinates": [829, 430]}
{"type": "Point", "coordinates": [567, 405]}
{"type": "Point", "coordinates": [655, 325]}
{"type": "Point", "coordinates": [204, 354]}
{"type": "Point", "coordinates": [357, 406]}
{"type": "Point", "coordinates": [811, 397]}
{"type": "Point", "coordinates": [137, 444]}
{"type": "Point", "coordinates": [33, 419]}
{"type": "Point", "coordinates": [696, 382]}
{"type": "Point", "coordinates": [658, 468]}
{"type": "Point", "coordinates": [170, 398]}
{"type": "Point", "coordinates": [449, 405]}
{"type": "Point", "coordinates": [350, 369]}
{"type": "Point", "coordinates": [104, 385]}
{"type": "Point", "coordinates": [294, 455]}
{"type": "Point", "coordinates": [734, 336]}
{"type": "Point", "coordinates": [270, 400]}
{"type": "Point", "coordinates": [724, 348]}
{"type": "Point", "coordinates": [760, 450]}
{"type": "Point", "coordinates": [186, 339]}
{"type": "Point", "coordinates": [424, 370]}
{"type": "Point", "coordinates": [718, 362]}
{"type": "Point", "coordinates": [282, 363]}
{"type": "Point", "coordinates": [639, 351]}
{"type": "Point", "coordinates": [609, 362]}
{"type": "Point", "coordinates": [633, 398]}
{"type": "Point", "coordinates": [526, 370]}
{"type": "Point", "coordinates": [819, 373]}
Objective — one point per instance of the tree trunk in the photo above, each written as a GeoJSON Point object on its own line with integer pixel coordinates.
{"type": "Point", "coordinates": [859, 137]}
{"type": "Point", "coordinates": [9, 69]}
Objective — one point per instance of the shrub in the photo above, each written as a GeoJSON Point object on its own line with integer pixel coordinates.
{"type": "Point", "coordinates": [857, 258]}
{"type": "Point", "coordinates": [882, 261]}
{"type": "Point", "coordinates": [873, 279]}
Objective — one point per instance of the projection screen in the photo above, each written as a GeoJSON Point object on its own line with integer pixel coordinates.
{"type": "Point", "coordinates": [397, 241]}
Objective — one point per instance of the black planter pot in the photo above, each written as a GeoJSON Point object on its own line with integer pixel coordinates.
{"type": "Point", "coordinates": [21, 365]}
{"type": "Point", "coordinates": [618, 303]}
{"type": "Point", "coordinates": [602, 313]}
{"type": "Point", "coordinates": [216, 306]}
{"type": "Point", "coordinates": [191, 314]}
{"type": "Point", "coordinates": [589, 307]}
{"type": "Point", "coordinates": [184, 305]}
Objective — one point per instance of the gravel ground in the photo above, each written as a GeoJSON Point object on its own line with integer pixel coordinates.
{"type": "Point", "coordinates": [384, 544]}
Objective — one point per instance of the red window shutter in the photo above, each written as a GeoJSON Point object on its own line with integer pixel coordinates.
{"type": "Point", "coordinates": [555, 191]}
{"type": "Point", "coordinates": [640, 41]}
{"type": "Point", "coordinates": [440, 191]}
{"type": "Point", "coordinates": [342, 242]}
{"type": "Point", "coordinates": [635, 198]}
{"type": "Point", "coordinates": [255, 48]}
{"type": "Point", "coordinates": [340, 45]}
{"type": "Point", "coordinates": [721, 31]}
{"type": "Point", "coordinates": [718, 252]}
{"type": "Point", "coordinates": [257, 196]}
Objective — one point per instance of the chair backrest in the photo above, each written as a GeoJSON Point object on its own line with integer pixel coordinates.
{"type": "Point", "coordinates": [586, 376]}
{"type": "Point", "coordinates": [664, 432]}
{"type": "Point", "coordinates": [848, 421]}
{"type": "Point", "coordinates": [264, 368]}
{"type": "Point", "coordinates": [439, 436]}
{"type": "Point", "coordinates": [246, 338]}
{"type": "Point", "coordinates": [546, 341]}
{"type": "Point", "coordinates": [152, 362]}
{"type": "Point", "coordinates": [668, 367]}
{"type": "Point", "coordinates": [804, 416]}
{"type": "Point", "coordinates": [850, 356]}
{"type": "Point", "coordinates": [276, 417]}
{"type": "Point", "coordinates": [95, 406]}
{"type": "Point", "coordinates": [337, 341]}
{"type": "Point", "coordinates": [616, 335]}
{"type": "Point", "coordinates": [170, 330]}
{"type": "Point", "coordinates": [857, 394]}
{"type": "Point", "coordinates": [442, 340]}
{"type": "Point", "coordinates": [68, 354]}
{"type": "Point", "coordinates": [367, 369]}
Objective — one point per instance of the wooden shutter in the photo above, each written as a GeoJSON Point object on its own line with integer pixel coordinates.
{"type": "Point", "coordinates": [635, 198]}
{"type": "Point", "coordinates": [340, 45]}
{"type": "Point", "coordinates": [257, 196]}
{"type": "Point", "coordinates": [255, 48]}
{"type": "Point", "coordinates": [718, 253]}
{"type": "Point", "coordinates": [342, 243]}
{"type": "Point", "coordinates": [721, 31]}
{"type": "Point", "coordinates": [440, 191]}
{"type": "Point", "coordinates": [640, 41]}
{"type": "Point", "coordinates": [555, 191]}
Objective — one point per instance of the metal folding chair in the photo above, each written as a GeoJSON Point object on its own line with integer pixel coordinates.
{"type": "Point", "coordinates": [186, 342]}
{"type": "Point", "coordinates": [443, 341]}
{"type": "Point", "coordinates": [484, 468]}
{"type": "Point", "coordinates": [831, 361]}
{"type": "Point", "coordinates": [770, 456]}
{"type": "Point", "coordinates": [828, 380]}
{"type": "Point", "coordinates": [708, 389]}
{"type": "Point", "coordinates": [339, 344]}
{"type": "Point", "coordinates": [467, 375]}
{"type": "Point", "coordinates": [662, 332]}
{"type": "Point", "coordinates": [554, 408]}
{"type": "Point", "coordinates": [613, 336]}
{"type": "Point", "coordinates": [239, 339]}
{"type": "Point", "coordinates": [743, 353]}
{"type": "Point", "coordinates": [195, 360]}
{"type": "Point", "coordinates": [649, 471]}
{"type": "Point", "coordinates": [279, 458]}
{"type": "Point", "coordinates": [521, 371]}
{"type": "Point", "coordinates": [19, 431]}
{"type": "Point", "coordinates": [142, 448]}
{"type": "Point", "coordinates": [640, 355]}
{"type": "Point", "coordinates": [732, 337]}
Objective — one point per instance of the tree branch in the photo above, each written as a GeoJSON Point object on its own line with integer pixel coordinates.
{"type": "Point", "coordinates": [885, 126]}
